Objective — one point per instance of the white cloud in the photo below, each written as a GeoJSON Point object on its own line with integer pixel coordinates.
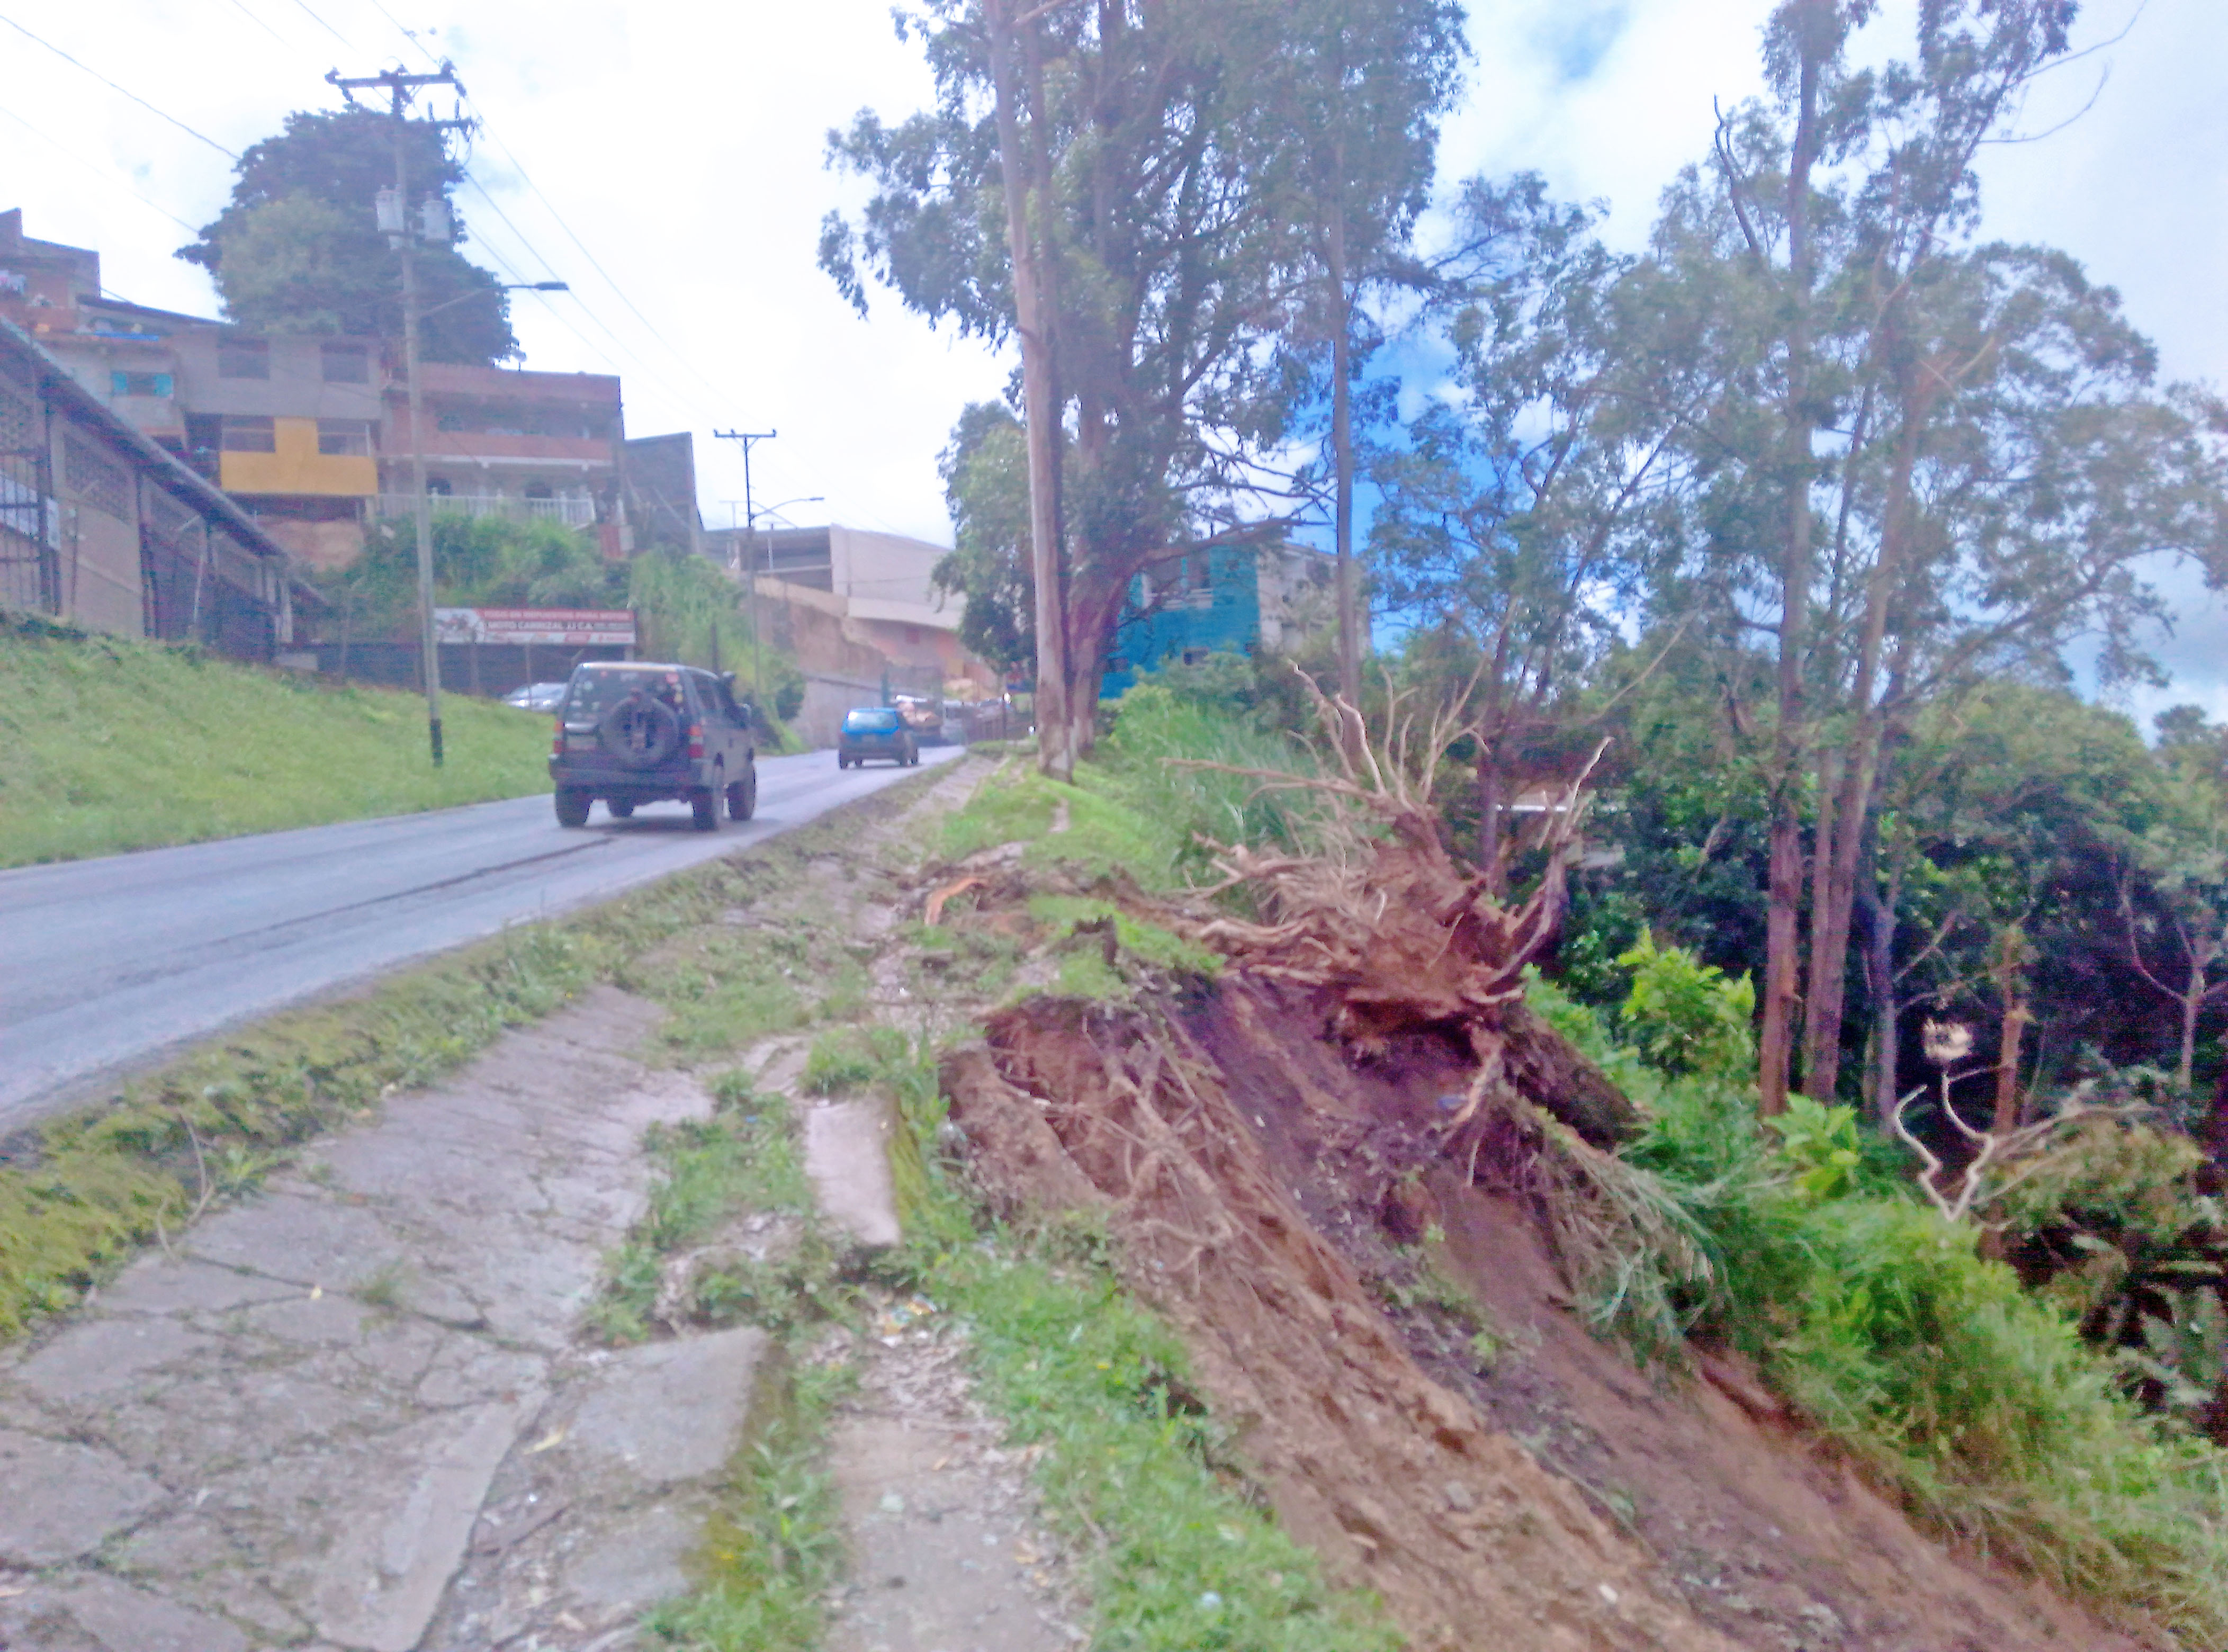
{"type": "Point", "coordinates": [683, 143]}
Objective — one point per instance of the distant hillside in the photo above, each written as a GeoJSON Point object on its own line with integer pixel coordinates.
{"type": "Point", "coordinates": [109, 745]}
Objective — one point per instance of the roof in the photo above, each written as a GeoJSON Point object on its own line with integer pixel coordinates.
{"type": "Point", "coordinates": [203, 495]}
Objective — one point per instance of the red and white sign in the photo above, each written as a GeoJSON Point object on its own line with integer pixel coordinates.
{"type": "Point", "coordinates": [555, 627]}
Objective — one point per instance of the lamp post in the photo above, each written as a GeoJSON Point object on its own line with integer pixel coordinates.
{"type": "Point", "coordinates": [750, 530]}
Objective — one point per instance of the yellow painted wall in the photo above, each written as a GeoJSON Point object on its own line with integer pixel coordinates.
{"type": "Point", "coordinates": [297, 467]}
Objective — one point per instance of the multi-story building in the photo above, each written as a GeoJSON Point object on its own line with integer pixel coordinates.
{"type": "Point", "coordinates": [501, 441]}
{"type": "Point", "coordinates": [1230, 597]}
{"type": "Point", "coordinates": [101, 527]}
{"type": "Point", "coordinates": [287, 425]}
{"type": "Point", "coordinates": [311, 434]}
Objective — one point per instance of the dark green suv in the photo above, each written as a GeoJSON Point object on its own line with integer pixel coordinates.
{"type": "Point", "coordinates": [630, 733]}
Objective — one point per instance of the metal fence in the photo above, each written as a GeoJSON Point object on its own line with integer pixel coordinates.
{"type": "Point", "coordinates": [29, 524]}
{"type": "Point", "coordinates": [573, 513]}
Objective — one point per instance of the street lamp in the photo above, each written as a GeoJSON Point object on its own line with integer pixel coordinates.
{"type": "Point", "coordinates": [751, 531]}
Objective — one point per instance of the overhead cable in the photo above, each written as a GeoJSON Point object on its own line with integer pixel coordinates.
{"type": "Point", "coordinates": [113, 86]}
{"type": "Point", "coordinates": [100, 171]}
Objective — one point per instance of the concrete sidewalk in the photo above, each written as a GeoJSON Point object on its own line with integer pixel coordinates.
{"type": "Point", "coordinates": [354, 1413]}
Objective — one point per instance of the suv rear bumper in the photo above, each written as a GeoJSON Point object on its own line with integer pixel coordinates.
{"type": "Point", "coordinates": [606, 780]}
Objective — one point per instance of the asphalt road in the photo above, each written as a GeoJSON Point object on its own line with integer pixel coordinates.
{"type": "Point", "coordinates": [108, 964]}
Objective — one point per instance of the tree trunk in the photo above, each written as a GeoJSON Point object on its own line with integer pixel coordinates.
{"type": "Point", "coordinates": [1879, 982]}
{"type": "Point", "coordinates": [2192, 1006]}
{"type": "Point", "coordinates": [1041, 408]}
{"type": "Point", "coordinates": [1841, 830]}
{"type": "Point", "coordinates": [1775, 1043]}
{"type": "Point", "coordinates": [2011, 960]}
{"type": "Point", "coordinates": [1342, 440]}
{"type": "Point", "coordinates": [1488, 819]}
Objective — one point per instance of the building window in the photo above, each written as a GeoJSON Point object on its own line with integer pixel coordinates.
{"type": "Point", "coordinates": [344, 436]}
{"type": "Point", "coordinates": [97, 479]}
{"type": "Point", "coordinates": [247, 434]}
{"type": "Point", "coordinates": [243, 358]}
{"type": "Point", "coordinates": [121, 383]}
{"type": "Point", "coordinates": [345, 363]}
{"type": "Point", "coordinates": [438, 486]}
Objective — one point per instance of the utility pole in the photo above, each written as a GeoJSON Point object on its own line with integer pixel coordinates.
{"type": "Point", "coordinates": [743, 439]}
{"type": "Point", "coordinates": [394, 221]}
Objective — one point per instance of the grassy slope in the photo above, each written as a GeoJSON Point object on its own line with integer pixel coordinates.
{"type": "Point", "coordinates": [108, 745]}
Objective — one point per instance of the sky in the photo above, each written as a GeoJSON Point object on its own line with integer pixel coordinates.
{"type": "Point", "coordinates": [668, 161]}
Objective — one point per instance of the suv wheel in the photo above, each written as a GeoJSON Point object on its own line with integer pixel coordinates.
{"type": "Point", "coordinates": [618, 808]}
{"type": "Point", "coordinates": [743, 796]}
{"type": "Point", "coordinates": [705, 805]}
{"type": "Point", "coordinates": [572, 806]}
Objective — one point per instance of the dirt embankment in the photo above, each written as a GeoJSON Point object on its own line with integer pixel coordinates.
{"type": "Point", "coordinates": [1500, 1477]}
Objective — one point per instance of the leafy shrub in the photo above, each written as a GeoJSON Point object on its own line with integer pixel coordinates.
{"type": "Point", "coordinates": [1685, 1016]}
{"type": "Point", "coordinates": [1972, 1396]}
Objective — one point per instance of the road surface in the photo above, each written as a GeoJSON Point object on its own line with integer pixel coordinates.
{"type": "Point", "coordinates": [108, 964]}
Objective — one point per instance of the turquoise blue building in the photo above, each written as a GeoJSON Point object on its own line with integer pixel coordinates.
{"type": "Point", "coordinates": [1231, 597]}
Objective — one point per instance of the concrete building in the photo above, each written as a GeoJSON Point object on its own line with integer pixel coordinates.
{"type": "Point", "coordinates": [1234, 598]}
{"type": "Point", "coordinates": [311, 434]}
{"type": "Point", "coordinates": [102, 527]}
{"type": "Point", "coordinates": [505, 442]}
{"type": "Point", "coordinates": [287, 425]}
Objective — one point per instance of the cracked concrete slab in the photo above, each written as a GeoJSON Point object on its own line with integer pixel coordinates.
{"type": "Point", "coordinates": [846, 1155]}
{"type": "Point", "coordinates": [64, 1498]}
{"type": "Point", "coordinates": [291, 1429]}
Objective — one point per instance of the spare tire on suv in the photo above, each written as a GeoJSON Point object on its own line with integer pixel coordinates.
{"type": "Point", "coordinates": [640, 732]}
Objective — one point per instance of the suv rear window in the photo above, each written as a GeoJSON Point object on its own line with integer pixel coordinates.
{"type": "Point", "coordinates": [870, 721]}
{"type": "Point", "coordinates": [594, 693]}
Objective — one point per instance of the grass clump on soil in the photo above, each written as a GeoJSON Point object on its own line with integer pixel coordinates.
{"type": "Point", "coordinates": [1132, 810]}
{"type": "Point", "coordinates": [1973, 1399]}
{"type": "Point", "coordinates": [108, 744]}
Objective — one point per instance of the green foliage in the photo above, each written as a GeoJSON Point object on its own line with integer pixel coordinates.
{"type": "Point", "coordinates": [1179, 1559]}
{"type": "Point", "coordinates": [1686, 1016]}
{"type": "Point", "coordinates": [107, 744]}
{"type": "Point", "coordinates": [1819, 1144]}
{"type": "Point", "coordinates": [986, 487]}
{"type": "Point", "coordinates": [297, 249]}
{"type": "Point", "coordinates": [1880, 1320]}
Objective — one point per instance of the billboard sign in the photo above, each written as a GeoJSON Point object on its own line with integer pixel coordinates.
{"type": "Point", "coordinates": [539, 627]}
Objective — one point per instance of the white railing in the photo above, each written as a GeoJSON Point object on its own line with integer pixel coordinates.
{"type": "Point", "coordinates": [573, 513]}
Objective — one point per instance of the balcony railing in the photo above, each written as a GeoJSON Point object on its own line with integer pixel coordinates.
{"type": "Point", "coordinates": [573, 513]}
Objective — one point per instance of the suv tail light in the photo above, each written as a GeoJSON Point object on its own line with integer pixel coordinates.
{"type": "Point", "coordinates": [557, 740]}
{"type": "Point", "coordinates": [695, 740]}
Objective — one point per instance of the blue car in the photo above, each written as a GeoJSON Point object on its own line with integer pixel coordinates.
{"type": "Point", "coordinates": [878, 731]}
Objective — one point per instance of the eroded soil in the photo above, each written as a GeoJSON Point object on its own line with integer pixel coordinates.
{"type": "Point", "coordinates": [1498, 1476]}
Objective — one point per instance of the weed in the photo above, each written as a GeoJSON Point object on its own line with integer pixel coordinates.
{"type": "Point", "coordinates": [771, 1554]}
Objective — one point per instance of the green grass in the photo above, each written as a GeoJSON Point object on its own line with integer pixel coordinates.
{"type": "Point", "coordinates": [107, 744]}
{"type": "Point", "coordinates": [1972, 1398]}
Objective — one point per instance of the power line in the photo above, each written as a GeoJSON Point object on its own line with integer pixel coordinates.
{"type": "Point", "coordinates": [241, 6]}
{"type": "Point", "coordinates": [100, 171]}
{"type": "Point", "coordinates": [113, 86]}
{"type": "Point", "coordinates": [609, 280]}
{"type": "Point", "coordinates": [327, 27]}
